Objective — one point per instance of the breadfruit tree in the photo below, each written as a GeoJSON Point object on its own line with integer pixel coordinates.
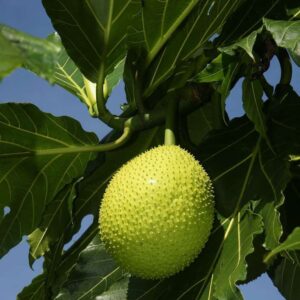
{"type": "Point", "coordinates": [194, 203]}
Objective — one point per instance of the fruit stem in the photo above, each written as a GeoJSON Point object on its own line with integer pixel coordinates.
{"type": "Point", "coordinates": [170, 138]}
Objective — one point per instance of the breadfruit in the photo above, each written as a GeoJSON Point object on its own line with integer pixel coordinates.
{"type": "Point", "coordinates": [157, 212]}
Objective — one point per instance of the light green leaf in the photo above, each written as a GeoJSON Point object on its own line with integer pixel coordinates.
{"type": "Point", "coordinates": [253, 105]}
{"type": "Point", "coordinates": [10, 57]}
{"type": "Point", "coordinates": [286, 34]}
{"type": "Point", "coordinates": [93, 32]}
{"type": "Point", "coordinates": [39, 155]}
{"type": "Point", "coordinates": [37, 55]}
{"type": "Point", "coordinates": [291, 243]}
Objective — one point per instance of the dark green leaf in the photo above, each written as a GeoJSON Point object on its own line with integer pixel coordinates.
{"type": "Point", "coordinates": [253, 105]}
{"type": "Point", "coordinates": [205, 119]}
{"type": "Point", "coordinates": [247, 18]}
{"type": "Point", "coordinates": [285, 121]}
{"type": "Point", "coordinates": [217, 69]}
{"type": "Point", "coordinates": [291, 243]}
{"type": "Point", "coordinates": [117, 291]}
{"type": "Point", "coordinates": [35, 291]}
{"type": "Point", "coordinates": [286, 34]}
{"type": "Point", "coordinates": [93, 274]}
{"type": "Point", "coordinates": [286, 276]}
{"type": "Point", "coordinates": [55, 217]}
{"type": "Point", "coordinates": [247, 173]}
{"type": "Point", "coordinates": [35, 165]}
{"type": "Point", "coordinates": [93, 32]}
{"type": "Point", "coordinates": [189, 38]}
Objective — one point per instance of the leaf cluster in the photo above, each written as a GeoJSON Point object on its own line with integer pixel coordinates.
{"type": "Point", "coordinates": [194, 52]}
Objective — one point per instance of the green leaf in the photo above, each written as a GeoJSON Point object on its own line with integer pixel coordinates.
{"type": "Point", "coordinates": [253, 105]}
{"type": "Point", "coordinates": [114, 78]}
{"type": "Point", "coordinates": [216, 270]}
{"type": "Point", "coordinates": [248, 18]}
{"type": "Point", "coordinates": [247, 173]}
{"type": "Point", "coordinates": [35, 54]}
{"type": "Point", "coordinates": [291, 243]}
{"type": "Point", "coordinates": [153, 33]}
{"type": "Point", "coordinates": [222, 69]}
{"type": "Point", "coordinates": [93, 274]}
{"type": "Point", "coordinates": [287, 35]}
{"type": "Point", "coordinates": [270, 212]}
{"type": "Point", "coordinates": [93, 32]}
{"type": "Point", "coordinates": [46, 58]}
{"type": "Point", "coordinates": [39, 155]}
{"type": "Point", "coordinates": [10, 57]}
{"type": "Point", "coordinates": [35, 291]}
{"type": "Point", "coordinates": [188, 39]}
{"type": "Point", "coordinates": [285, 120]}
{"type": "Point", "coordinates": [246, 43]}
{"type": "Point", "coordinates": [205, 119]}
{"type": "Point", "coordinates": [117, 291]}
{"type": "Point", "coordinates": [216, 70]}
{"type": "Point", "coordinates": [55, 217]}
{"type": "Point", "coordinates": [286, 276]}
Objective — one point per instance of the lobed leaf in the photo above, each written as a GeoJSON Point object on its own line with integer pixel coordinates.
{"type": "Point", "coordinates": [35, 165]}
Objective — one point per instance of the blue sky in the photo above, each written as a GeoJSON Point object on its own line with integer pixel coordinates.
{"type": "Point", "coordinates": [23, 86]}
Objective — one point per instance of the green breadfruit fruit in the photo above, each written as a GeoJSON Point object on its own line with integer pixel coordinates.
{"type": "Point", "coordinates": [157, 212]}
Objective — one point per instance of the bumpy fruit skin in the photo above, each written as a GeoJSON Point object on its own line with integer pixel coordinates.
{"type": "Point", "coordinates": [157, 212]}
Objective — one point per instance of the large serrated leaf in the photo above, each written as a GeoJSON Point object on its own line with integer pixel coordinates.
{"type": "Point", "coordinates": [247, 173]}
{"type": "Point", "coordinates": [93, 32]}
{"type": "Point", "coordinates": [39, 154]}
